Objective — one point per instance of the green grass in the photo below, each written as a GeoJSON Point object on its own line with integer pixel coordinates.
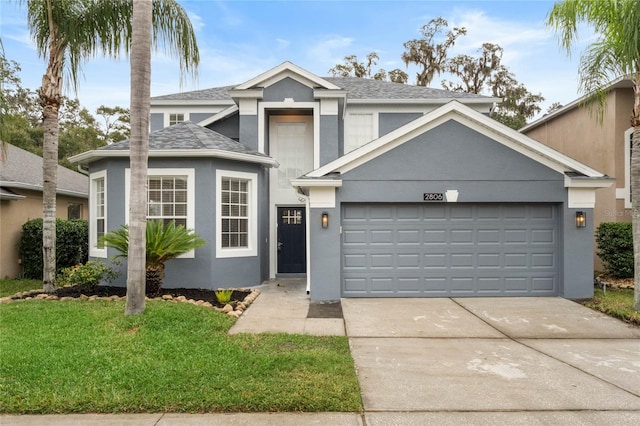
{"type": "Point", "coordinates": [11, 287]}
{"type": "Point", "coordinates": [75, 357]}
{"type": "Point", "coordinates": [617, 303]}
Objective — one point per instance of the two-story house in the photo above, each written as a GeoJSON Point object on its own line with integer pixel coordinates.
{"type": "Point", "coordinates": [367, 188]}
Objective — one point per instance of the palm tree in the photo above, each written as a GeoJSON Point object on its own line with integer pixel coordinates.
{"type": "Point", "coordinates": [615, 53]}
{"type": "Point", "coordinates": [138, 154]}
{"type": "Point", "coordinates": [163, 243]}
{"type": "Point", "coordinates": [68, 32]}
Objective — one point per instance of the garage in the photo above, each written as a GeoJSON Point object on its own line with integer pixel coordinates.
{"type": "Point", "coordinates": [449, 249]}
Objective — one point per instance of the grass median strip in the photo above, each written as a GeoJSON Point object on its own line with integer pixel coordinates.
{"type": "Point", "coordinates": [616, 302]}
{"type": "Point", "coordinates": [77, 356]}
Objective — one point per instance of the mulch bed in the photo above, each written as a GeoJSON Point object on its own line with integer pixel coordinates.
{"type": "Point", "coordinates": [107, 291]}
{"type": "Point", "coordinates": [613, 282]}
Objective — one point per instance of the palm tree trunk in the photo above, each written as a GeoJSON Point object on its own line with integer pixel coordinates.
{"type": "Point", "coordinates": [50, 97]}
{"type": "Point", "coordinates": [635, 190]}
{"type": "Point", "coordinates": [139, 149]}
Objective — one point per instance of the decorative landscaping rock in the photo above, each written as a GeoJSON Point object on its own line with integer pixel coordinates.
{"type": "Point", "coordinates": [71, 293]}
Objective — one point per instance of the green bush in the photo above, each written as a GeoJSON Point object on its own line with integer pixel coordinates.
{"type": "Point", "coordinates": [72, 245]}
{"type": "Point", "coordinates": [88, 275]}
{"type": "Point", "coordinates": [615, 248]}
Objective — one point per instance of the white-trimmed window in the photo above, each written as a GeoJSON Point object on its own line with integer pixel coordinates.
{"type": "Point", "coordinates": [361, 129]}
{"type": "Point", "coordinates": [170, 197]}
{"type": "Point", "coordinates": [98, 213]}
{"type": "Point", "coordinates": [167, 198]}
{"type": "Point", "coordinates": [236, 214]}
{"type": "Point", "coordinates": [175, 118]}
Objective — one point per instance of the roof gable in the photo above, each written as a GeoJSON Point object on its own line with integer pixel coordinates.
{"type": "Point", "coordinates": [468, 117]}
{"type": "Point", "coordinates": [284, 70]}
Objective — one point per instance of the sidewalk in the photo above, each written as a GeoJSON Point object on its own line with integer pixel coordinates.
{"type": "Point", "coordinates": [282, 307]}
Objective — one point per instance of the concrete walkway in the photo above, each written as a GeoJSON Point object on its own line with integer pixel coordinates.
{"type": "Point", "coordinates": [484, 361]}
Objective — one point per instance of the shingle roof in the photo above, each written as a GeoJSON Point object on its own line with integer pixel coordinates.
{"type": "Point", "coordinates": [188, 135]}
{"type": "Point", "coordinates": [20, 168]}
{"type": "Point", "coordinates": [363, 88]}
{"type": "Point", "coordinates": [212, 94]}
{"type": "Point", "coordinates": [356, 88]}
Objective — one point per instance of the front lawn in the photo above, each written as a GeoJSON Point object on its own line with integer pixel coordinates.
{"type": "Point", "coordinates": [11, 287]}
{"type": "Point", "coordinates": [78, 356]}
{"type": "Point", "coordinates": [616, 302]}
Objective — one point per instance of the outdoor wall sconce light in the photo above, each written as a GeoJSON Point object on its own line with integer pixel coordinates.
{"type": "Point", "coordinates": [581, 220]}
{"type": "Point", "coordinates": [325, 220]}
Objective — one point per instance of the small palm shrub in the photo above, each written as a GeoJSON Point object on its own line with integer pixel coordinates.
{"type": "Point", "coordinates": [224, 296]}
{"type": "Point", "coordinates": [88, 275]}
{"type": "Point", "coordinates": [164, 242]}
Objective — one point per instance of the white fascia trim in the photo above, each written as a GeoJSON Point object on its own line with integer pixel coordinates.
{"type": "Point", "coordinates": [428, 101]}
{"type": "Point", "coordinates": [577, 182]}
{"type": "Point", "coordinates": [191, 102]}
{"type": "Point", "coordinates": [220, 115]}
{"type": "Point", "coordinates": [468, 117]}
{"type": "Point", "coordinates": [12, 197]}
{"type": "Point", "coordinates": [315, 183]}
{"type": "Point", "coordinates": [20, 185]}
{"type": "Point", "coordinates": [252, 250]}
{"type": "Point", "coordinates": [171, 153]}
{"type": "Point", "coordinates": [267, 75]}
{"type": "Point", "coordinates": [288, 74]}
{"type": "Point", "coordinates": [324, 94]}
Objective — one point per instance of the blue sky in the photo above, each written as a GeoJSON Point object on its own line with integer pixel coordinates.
{"type": "Point", "coordinates": [240, 39]}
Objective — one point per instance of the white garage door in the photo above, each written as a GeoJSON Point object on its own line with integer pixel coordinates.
{"type": "Point", "coordinates": [443, 250]}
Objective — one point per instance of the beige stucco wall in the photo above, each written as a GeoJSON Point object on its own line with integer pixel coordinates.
{"type": "Point", "coordinates": [13, 214]}
{"type": "Point", "coordinates": [578, 134]}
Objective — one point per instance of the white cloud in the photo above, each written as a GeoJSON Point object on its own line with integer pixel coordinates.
{"type": "Point", "coordinates": [282, 43]}
{"type": "Point", "coordinates": [517, 38]}
{"type": "Point", "coordinates": [331, 50]}
{"type": "Point", "coordinates": [196, 21]}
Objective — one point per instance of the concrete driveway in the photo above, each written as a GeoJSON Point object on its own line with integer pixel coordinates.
{"type": "Point", "coordinates": [493, 361]}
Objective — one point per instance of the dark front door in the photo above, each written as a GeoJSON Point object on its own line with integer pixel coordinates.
{"type": "Point", "coordinates": [292, 256]}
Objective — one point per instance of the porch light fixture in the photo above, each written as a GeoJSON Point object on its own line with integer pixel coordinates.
{"type": "Point", "coordinates": [581, 220]}
{"type": "Point", "coordinates": [325, 220]}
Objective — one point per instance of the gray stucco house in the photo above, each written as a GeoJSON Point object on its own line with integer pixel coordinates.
{"type": "Point", "coordinates": [367, 188]}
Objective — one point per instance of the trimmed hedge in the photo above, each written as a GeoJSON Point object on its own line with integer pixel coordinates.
{"type": "Point", "coordinates": [72, 245]}
{"type": "Point", "coordinates": [615, 248]}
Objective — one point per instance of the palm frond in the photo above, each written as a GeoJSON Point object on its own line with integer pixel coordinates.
{"type": "Point", "coordinates": [164, 241]}
{"type": "Point", "coordinates": [87, 28]}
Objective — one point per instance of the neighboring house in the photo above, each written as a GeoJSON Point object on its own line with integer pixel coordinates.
{"type": "Point", "coordinates": [576, 132]}
{"type": "Point", "coordinates": [367, 188]}
{"type": "Point", "coordinates": [21, 200]}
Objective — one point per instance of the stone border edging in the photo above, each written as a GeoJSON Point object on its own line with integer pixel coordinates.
{"type": "Point", "coordinates": [228, 309]}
